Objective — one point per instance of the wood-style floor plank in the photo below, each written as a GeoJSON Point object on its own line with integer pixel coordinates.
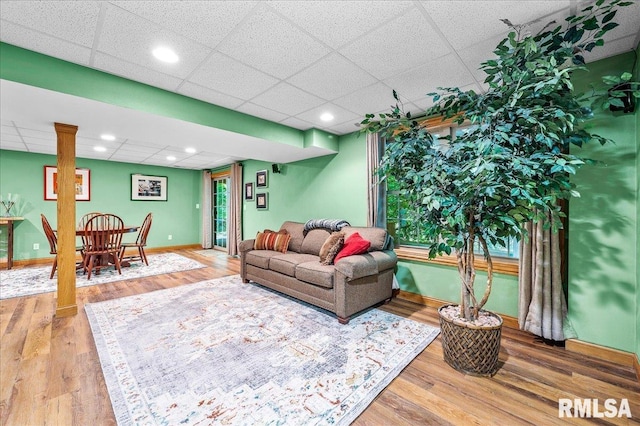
{"type": "Point", "coordinates": [50, 372]}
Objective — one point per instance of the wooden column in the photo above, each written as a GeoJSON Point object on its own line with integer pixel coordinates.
{"type": "Point", "coordinates": [66, 224]}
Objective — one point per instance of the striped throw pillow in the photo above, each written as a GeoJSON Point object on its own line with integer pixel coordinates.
{"type": "Point", "coordinates": [269, 240]}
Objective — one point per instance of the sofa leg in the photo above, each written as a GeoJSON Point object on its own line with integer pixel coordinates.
{"type": "Point", "coordinates": [344, 321]}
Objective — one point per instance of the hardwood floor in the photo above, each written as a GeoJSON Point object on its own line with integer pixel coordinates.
{"type": "Point", "coordinates": [50, 373]}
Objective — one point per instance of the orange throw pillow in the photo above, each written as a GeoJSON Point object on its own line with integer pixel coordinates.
{"type": "Point", "coordinates": [269, 240]}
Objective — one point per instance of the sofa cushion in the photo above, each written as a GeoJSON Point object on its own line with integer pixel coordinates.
{"type": "Point", "coordinates": [270, 240]}
{"type": "Point", "coordinates": [331, 247]}
{"type": "Point", "coordinates": [353, 244]}
{"type": "Point", "coordinates": [286, 263]}
{"type": "Point", "coordinates": [261, 258]}
{"type": "Point", "coordinates": [377, 236]}
{"type": "Point", "coordinates": [295, 229]}
{"type": "Point", "coordinates": [314, 240]}
{"type": "Point", "coordinates": [315, 273]}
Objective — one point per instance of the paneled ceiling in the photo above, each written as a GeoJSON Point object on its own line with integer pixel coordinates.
{"type": "Point", "coordinates": [284, 61]}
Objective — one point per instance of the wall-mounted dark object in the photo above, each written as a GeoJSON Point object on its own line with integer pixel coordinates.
{"type": "Point", "coordinates": [275, 168]}
{"type": "Point", "coordinates": [628, 100]}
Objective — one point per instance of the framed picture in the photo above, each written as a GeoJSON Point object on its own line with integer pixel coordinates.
{"type": "Point", "coordinates": [262, 179]}
{"type": "Point", "coordinates": [248, 191]}
{"type": "Point", "coordinates": [261, 201]}
{"type": "Point", "coordinates": [82, 184]}
{"type": "Point", "coordinates": [148, 188]}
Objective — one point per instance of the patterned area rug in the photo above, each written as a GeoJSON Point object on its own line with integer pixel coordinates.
{"type": "Point", "coordinates": [28, 281]}
{"type": "Point", "coordinates": [224, 352]}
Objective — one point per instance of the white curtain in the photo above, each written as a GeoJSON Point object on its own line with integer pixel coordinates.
{"type": "Point", "coordinates": [234, 227]}
{"type": "Point", "coordinates": [377, 212]}
{"type": "Point", "coordinates": [542, 305]}
{"type": "Point", "coordinates": [206, 209]}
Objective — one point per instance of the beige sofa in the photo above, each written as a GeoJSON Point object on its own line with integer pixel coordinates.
{"type": "Point", "coordinates": [353, 284]}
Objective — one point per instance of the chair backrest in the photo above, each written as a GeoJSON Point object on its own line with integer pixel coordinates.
{"type": "Point", "coordinates": [84, 219]}
{"type": "Point", "coordinates": [144, 230]}
{"type": "Point", "coordinates": [51, 236]}
{"type": "Point", "coordinates": [103, 233]}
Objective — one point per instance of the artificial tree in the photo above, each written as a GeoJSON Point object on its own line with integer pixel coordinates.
{"type": "Point", "coordinates": [513, 166]}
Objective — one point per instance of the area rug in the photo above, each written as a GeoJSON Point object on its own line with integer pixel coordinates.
{"type": "Point", "coordinates": [28, 281]}
{"type": "Point", "coordinates": [224, 352]}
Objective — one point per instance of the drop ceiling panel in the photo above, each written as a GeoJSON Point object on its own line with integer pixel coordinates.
{"type": "Point", "coordinates": [370, 99]}
{"type": "Point", "coordinates": [227, 75]}
{"type": "Point", "coordinates": [337, 23]}
{"type": "Point", "coordinates": [340, 114]}
{"type": "Point", "coordinates": [211, 96]}
{"type": "Point", "coordinates": [266, 41]}
{"type": "Point", "coordinates": [404, 43]}
{"type": "Point", "coordinates": [287, 99]}
{"type": "Point", "coordinates": [332, 76]}
{"type": "Point", "coordinates": [262, 112]}
{"type": "Point", "coordinates": [120, 27]}
{"type": "Point", "coordinates": [135, 72]}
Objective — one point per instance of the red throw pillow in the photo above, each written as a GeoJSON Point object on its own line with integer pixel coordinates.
{"type": "Point", "coordinates": [355, 244]}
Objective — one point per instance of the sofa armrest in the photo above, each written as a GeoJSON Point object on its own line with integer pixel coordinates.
{"type": "Point", "coordinates": [362, 265]}
{"type": "Point", "coordinates": [246, 245]}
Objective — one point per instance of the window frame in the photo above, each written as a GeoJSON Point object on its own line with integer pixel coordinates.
{"type": "Point", "coordinates": [501, 264]}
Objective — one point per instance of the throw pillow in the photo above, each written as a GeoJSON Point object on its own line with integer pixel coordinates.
{"type": "Point", "coordinates": [354, 244]}
{"type": "Point", "coordinates": [331, 247]}
{"type": "Point", "coordinates": [269, 240]}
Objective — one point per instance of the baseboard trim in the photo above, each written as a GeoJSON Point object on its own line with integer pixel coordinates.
{"type": "Point", "coordinates": [152, 250]}
{"type": "Point", "coordinates": [507, 321]}
{"type": "Point", "coordinates": [616, 356]}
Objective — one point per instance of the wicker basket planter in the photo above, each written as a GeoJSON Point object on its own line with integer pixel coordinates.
{"type": "Point", "coordinates": [470, 349]}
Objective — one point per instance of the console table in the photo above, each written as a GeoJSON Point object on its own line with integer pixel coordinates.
{"type": "Point", "coordinates": [9, 221]}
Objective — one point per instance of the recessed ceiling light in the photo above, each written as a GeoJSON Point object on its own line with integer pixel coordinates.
{"type": "Point", "coordinates": [190, 150]}
{"type": "Point", "coordinates": [171, 158]}
{"type": "Point", "coordinates": [165, 54]}
{"type": "Point", "coordinates": [107, 137]}
{"type": "Point", "coordinates": [327, 116]}
{"type": "Point", "coordinates": [100, 148]}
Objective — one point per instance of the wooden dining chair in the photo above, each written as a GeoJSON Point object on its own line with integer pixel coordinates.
{"type": "Point", "coordinates": [53, 245]}
{"type": "Point", "coordinates": [85, 218]}
{"type": "Point", "coordinates": [139, 244]}
{"type": "Point", "coordinates": [102, 239]}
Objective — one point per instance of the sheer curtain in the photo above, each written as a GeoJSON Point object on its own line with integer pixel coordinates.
{"type": "Point", "coordinates": [206, 209]}
{"type": "Point", "coordinates": [377, 212]}
{"type": "Point", "coordinates": [542, 305]}
{"type": "Point", "coordinates": [234, 227]}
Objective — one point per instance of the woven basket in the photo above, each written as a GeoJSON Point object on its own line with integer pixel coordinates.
{"type": "Point", "coordinates": [471, 349]}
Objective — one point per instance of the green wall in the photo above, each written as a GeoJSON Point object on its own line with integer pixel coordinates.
{"type": "Point", "coordinates": [22, 173]}
{"type": "Point", "coordinates": [603, 226]}
{"type": "Point", "coordinates": [333, 186]}
{"type": "Point", "coordinates": [637, 78]}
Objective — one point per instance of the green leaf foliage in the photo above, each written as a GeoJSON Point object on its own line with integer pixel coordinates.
{"type": "Point", "coordinates": [514, 164]}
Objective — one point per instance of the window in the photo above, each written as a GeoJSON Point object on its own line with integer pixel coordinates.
{"type": "Point", "coordinates": [409, 240]}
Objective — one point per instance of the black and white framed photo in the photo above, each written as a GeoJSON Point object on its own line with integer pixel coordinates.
{"type": "Point", "coordinates": [262, 202]}
{"type": "Point", "coordinates": [148, 188]}
{"type": "Point", "coordinates": [248, 191]}
{"type": "Point", "coordinates": [262, 179]}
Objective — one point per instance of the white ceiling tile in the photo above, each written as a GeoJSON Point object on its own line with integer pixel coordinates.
{"type": "Point", "coordinates": [406, 42]}
{"type": "Point", "coordinates": [8, 129]}
{"type": "Point", "coordinates": [474, 55]}
{"type": "Point", "coordinates": [332, 77]}
{"type": "Point", "coordinates": [207, 22]}
{"type": "Point", "coordinates": [121, 27]}
{"type": "Point", "coordinates": [339, 22]}
{"type": "Point", "coordinates": [447, 13]}
{"type": "Point", "coordinates": [42, 149]}
{"type": "Point", "coordinates": [41, 136]}
{"type": "Point", "coordinates": [7, 137]}
{"type": "Point", "coordinates": [73, 21]}
{"type": "Point", "coordinates": [262, 112]}
{"type": "Point", "coordinates": [12, 145]}
{"type": "Point", "coordinates": [128, 156]}
{"type": "Point", "coordinates": [370, 99]}
{"type": "Point", "coordinates": [621, 45]}
{"type": "Point", "coordinates": [340, 115]}
{"type": "Point", "coordinates": [268, 42]}
{"type": "Point", "coordinates": [226, 75]}
{"type": "Point", "coordinates": [296, 123]}
{"type": "Point", "coordinates": [287, 99]}
{"type": "Point", "coordinates": [210, 96]}
{"type": "Point", "coordinates": [42, 43]}
{"type": "Point", "coordinates": [414, 84]}
{"type": "Point", "coordinates": [135, 72]}
{"type": "Point", "coordinates": [344, 128]}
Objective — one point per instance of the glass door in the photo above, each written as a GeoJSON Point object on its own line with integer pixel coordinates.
{"type": "Point", "coordinates": [220, 210]}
